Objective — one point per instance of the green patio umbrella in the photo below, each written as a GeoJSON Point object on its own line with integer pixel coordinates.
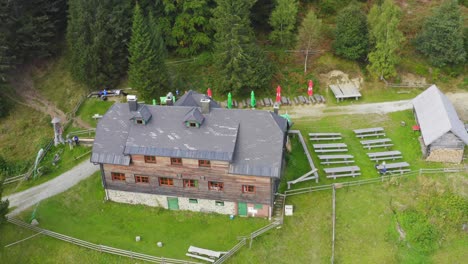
{"type": "Point", "coordinates": [253, 102]}
{"type": "Point", "coordinates": [229, 102]}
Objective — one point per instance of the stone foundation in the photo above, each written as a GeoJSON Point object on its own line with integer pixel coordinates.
{"type": "Point", "coordinates": [154, 200]}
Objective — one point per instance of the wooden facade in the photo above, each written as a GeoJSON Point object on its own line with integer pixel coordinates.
{"type": "Point", "coordinates": [235, 188]}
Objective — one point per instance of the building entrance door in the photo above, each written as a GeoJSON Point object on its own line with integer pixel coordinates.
{"type": "Point", "coordinates": [242, 209]}
{"type": "Point", "coordinates": [173, 203]}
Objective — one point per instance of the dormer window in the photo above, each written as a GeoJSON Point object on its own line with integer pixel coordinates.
{"type": "Point", "coordinates": [139, 121]}
{"type": "Point", "coordinates": [193, 124]}
{"type": "Point", "coordinates": [194, 118]}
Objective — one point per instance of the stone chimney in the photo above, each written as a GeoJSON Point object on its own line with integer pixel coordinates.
{"type": "Point", "coordinates": [169, 99]}
{"type": "Point", "coordinates": [276, 107]}
{"type": "Point", "coordinates": [205, 105]}
{"type": "Point", "coordinates": [132, 103]}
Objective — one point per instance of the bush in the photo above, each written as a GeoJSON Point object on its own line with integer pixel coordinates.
{"type": "Point", "coordinates": [420, 234]}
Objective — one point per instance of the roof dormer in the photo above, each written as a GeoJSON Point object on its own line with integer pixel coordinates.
{"type": "Point", "coordinates": [194, 118]}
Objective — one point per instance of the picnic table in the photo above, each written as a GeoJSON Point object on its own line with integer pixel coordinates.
{"type": "Point", "coordinates": [394, 167]}
{"type": "Point", "coordinates": [376, 143]}
{"type": "Point", "coordinates": [385, 155]}
{"type": "Point", "coordinates": [335, 159]}
{"type": "Point", "coordinates": [324, 136]}
{"type": "Point", "coordinates": [334, 147]}
{"type": "Point", "coordinates": [369, 132]}
{"type": "Point", "coordinates": [342, 172]}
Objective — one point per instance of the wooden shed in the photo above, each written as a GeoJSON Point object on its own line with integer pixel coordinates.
{"type": "Point", "coordinates": [444, 135]}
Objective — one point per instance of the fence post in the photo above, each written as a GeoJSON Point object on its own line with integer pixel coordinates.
{"type": "Point", "coordinates": [420, 172]}
{"type": "Point", "coordinates": [251, 239]}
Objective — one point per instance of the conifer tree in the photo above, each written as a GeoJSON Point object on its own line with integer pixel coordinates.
{"type": "Point", "coordinates": [351, 35]}
{"type": "Point", "coordinates": [241, 62]}
{"type": "Point", "coordinates": [387, 39]}
{"type": "Point", "coordinates": [283, 22]}
{"type": "Point", "coordinates": [441, 38]}
{"type": "Point", "coordinates": [147, 72]}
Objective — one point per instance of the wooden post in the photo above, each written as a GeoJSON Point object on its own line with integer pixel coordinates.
{"type": "Point", "coordinates": [333, 225]}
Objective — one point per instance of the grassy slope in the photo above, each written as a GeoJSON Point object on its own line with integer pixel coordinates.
{"type": "Point", "coordinates": [54, 82]}
{"type": "Point", "coordinates": [90, 218]}
{"type": "Point", "coordinates": [93, 106]}
{"type": "Point", "coordinates": [22, 133]}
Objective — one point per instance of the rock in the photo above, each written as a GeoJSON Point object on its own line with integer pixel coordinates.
{"type": "Point", "coordinates": [34, 222]}
{"type": "Point", "coordinates": [160, 244]}
{"type": "Point", "coordinates": [137, 238]}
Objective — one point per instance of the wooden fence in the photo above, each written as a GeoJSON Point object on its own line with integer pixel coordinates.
{"type": "Point", "coordinates": [306, 151]}
{"type": "Point", "coordinates": [373, 180]}
{"type": "Point", "coordinates": [405, 85]}
{"type": "Point", "coordinates": [231, 252]}
{"type": "Point", "coordinates": [81, 132]}
{"type": "Point", "coordinates": [100, 248]}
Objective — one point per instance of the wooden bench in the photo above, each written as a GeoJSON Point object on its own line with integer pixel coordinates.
{"type": "Point", "coordinates": [369, 132]}
{"type": "Point", "coordinates": [324, 136]}
{"type": "Point", "coordinates": [376, 143]}
{"type": "Point", "coordinates": [206, 252]}
{"type": "Point", "coordinates": [386, 155]}
{"type": "Point", "coordinates": [336, 159]}
{"type": "Point", "coordinates": [349, 171]}
{"type": "Point", "coordinates": [394, 167]}
{"type": "Point", "coordinates": [333, 147]}
{"type": "Point", "coordinates": [200, 257]}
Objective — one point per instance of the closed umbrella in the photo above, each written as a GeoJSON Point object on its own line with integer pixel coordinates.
{"type": "Point", "coordinates": [253, 102]}
{"type": "Point", "coordinates": [229, 102]}
{"type": "Point", "coordinates": [310, 90]}
{"type": "Point", "coordinates": [278, 94]}
{"type": "Point", "coordinates": [208, 92]}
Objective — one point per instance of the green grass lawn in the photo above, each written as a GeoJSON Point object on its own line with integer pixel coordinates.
{"type": "Point", "coordinates": [83, 213]}
{"type": "Point", "coordinates": [91, 107]}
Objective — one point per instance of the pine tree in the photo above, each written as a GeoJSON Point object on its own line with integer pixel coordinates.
{"type": "Point", "coordinates": [146, 72]}
{"type": "Point", "coordinates": [441, 38]}
{"type": "Point", "coordinates": [241, 62]}
{"type": "Point", "coordinates": [387, 39]}
{"type": "Point", "coordinates": [351, 35]}
{"type": "Point", "coordinates": [309, 35]}
{"type": "Point", "coordinates": [283, 22]}
{"type": "Point", "coordinates": [192, 30]}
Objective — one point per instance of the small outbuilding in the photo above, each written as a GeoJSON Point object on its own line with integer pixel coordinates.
{"type": "Point", "coordinates": [443, 134]}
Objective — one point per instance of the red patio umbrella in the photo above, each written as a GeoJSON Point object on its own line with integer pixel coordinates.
{"type": "Point", "coordinates": [208, 92]}
{"type": "Point", "coordinates": [310, 90]}
{"type": "Point", "coordinates": [278, 94]}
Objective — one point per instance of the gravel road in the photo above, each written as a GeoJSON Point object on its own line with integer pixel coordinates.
{"type": "Point", "coordinates": [30, 197]}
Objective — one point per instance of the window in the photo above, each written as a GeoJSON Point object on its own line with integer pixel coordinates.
{"type": "Point", "coordinates": [176, 161]}
{"type": "Point", "coordinates": [248, 189]}
{"type": "Point", "coordinates": [195, 201]}
{"type": "Point", "coordinates": [139, 121]}
{"type": "Point", "coordinates": [219, 203]}
{"type": "Point", "coordinates": [141, 179]}
{"type": "Point", "coordinates": [190, 183]}
{"type": "Point", "coordinates": [117, 176]}
{"type": "Point", "coordinates": [215, 186]}
{"type": "Point", "coordinates": [193, 124]}
{"type": "Point", "coordinates": [204, 163]}
{"type": "Point", "coordinates": [150, 159]}
{"type": "Point", "coordinates": [166, 182]}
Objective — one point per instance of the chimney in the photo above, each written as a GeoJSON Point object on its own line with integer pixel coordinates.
{"type": "Point", "coordinates": [205, 105]}
{"type": "Point", "coordinates": [132, 103]}
{"type": "Point", "coordinates": [169, 99]}
{"type": "Point", "coordinates": [276, 107]}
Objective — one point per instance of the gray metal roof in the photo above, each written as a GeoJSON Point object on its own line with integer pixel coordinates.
{"type": "Point", "coordinates": [251, 140]}
{"type": "Point", "coordinates": [194, 115]}
{"type": "Point", "coordinates": [437, 116]}
{"type": "Point", "coordinates": [192, 98]}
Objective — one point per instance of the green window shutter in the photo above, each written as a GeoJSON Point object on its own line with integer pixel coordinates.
{"type": "Point", "coordinates": [258, 206]}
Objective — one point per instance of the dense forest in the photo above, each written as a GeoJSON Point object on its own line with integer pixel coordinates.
{"type": "Point", "coordinates": [111, 40]}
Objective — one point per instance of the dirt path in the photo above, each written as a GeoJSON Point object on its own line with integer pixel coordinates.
{"type": "Point", "coordinates": [24, 87]}
{"type": "Point", "coordinates": [460, 101]}
{"type": "Point", "coordinates": [32, 196]}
